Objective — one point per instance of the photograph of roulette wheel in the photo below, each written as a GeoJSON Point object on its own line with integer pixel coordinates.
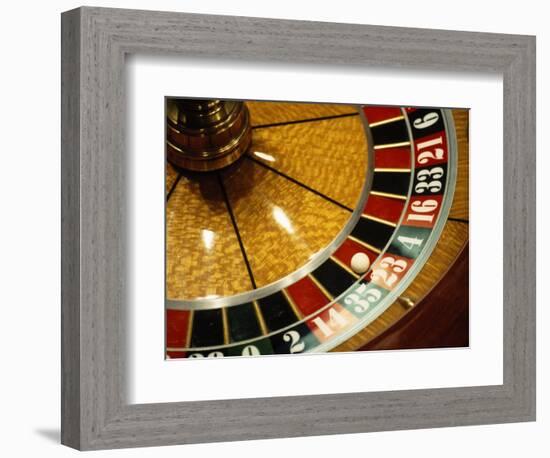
{"type": "Point", "coordinates": [309, 227]}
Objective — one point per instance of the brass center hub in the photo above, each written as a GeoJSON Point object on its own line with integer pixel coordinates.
{"type": "Point", "coordinates": [206, 135]}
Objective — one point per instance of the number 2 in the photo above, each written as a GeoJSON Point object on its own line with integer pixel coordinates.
{"type": "Point", "coordinates": [296, 346]}
{"type": "Point", "coordinates": [389, 278]}
{"type": "Point", "coordinates": [425, 156]}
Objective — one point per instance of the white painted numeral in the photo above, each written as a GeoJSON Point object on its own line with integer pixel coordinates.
{"type": "Point", "coordinates": [415, 217]}
{"type": "Point", "coordinates": [212, 354]}
{"type": "Point", "coordinates": [421, 208]}
{"type": "Point", "coordinates": [410, 242]}
{"type": "Point", "coordinates": [250, 350]}
{"type": "Point", "coordinates": [425, 206]}
{"type": "Point", "coordinates": [433, 175]}
{"type": "Point", "coordinates": [428, 120]}
{"type": "Point", "coordinates": [362, 298]}
{"type": "Point", "coordinates": [425, 156]}
{"type": "Point", "coordinates": [397, 265]}
{"type": "Point", "coordinates": [389, 278]}
{"type": "Point", "coordinates": [296, 345]}
{"type": "Point", "coordinates": [335, 320]}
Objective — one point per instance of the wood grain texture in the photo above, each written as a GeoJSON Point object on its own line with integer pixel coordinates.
{"type": "Point", "coordinates": [329, 156]}
{"type": "Point", "coordinates": [171, 176]}
{"type": "Point", "coordinates": [441, 321]}
{"type": "Point", "coordinates": [196, 267]}
{"type": "Point", "coordinates": [70, 230]}
{"type": "Point", "coordinates": [461, 202]}
{"type": "Point", "coordinates": [95, 409]}
{"type": "Point", "coordinates": [282, 225]}
{"type": "Point", "coordinates": [262, 113]}
{"type": "Point", "coordinates": [449, 246]}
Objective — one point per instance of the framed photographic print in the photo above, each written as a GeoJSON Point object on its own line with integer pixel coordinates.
{"type": "Point", "coordinates": [252, 207]}
{"type": "Point", "coordinates": [295, 228]}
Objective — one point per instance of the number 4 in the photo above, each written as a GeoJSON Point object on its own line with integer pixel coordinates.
{"type": "Point", "coordinates": [335, 320]}
{"type": "Point", "coordinates": [410, 242]}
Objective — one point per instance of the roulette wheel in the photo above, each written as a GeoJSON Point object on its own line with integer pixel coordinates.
{"type": "Point", "coordinates": [295, 228]}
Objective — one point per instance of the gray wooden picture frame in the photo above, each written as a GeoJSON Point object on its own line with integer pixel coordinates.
{"type": "Point", "coordinates": [95, 413]}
